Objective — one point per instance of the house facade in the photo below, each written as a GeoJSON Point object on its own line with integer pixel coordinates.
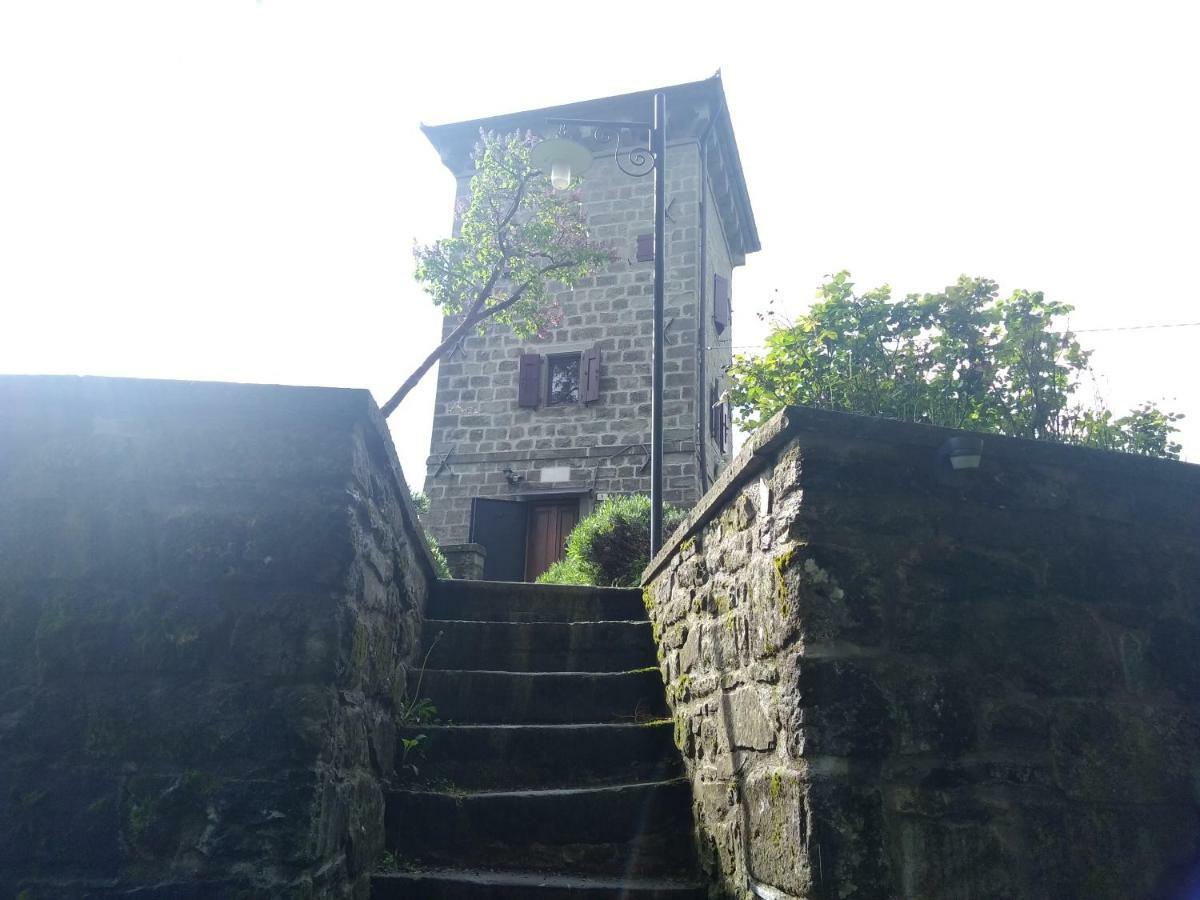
{"type": "Point", "coordinates": [529, 434]}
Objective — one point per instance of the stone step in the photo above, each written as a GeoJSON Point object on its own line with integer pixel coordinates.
{"type": "Point", "coordinates": [634, 829]}
{"type": "Point", "coordinates": [504, 601]}
{"type": "Point", "coordinates": [542, 756]}
{"type": "Point", "coordinates": [535, 698]}
{"type": "Point", "coordinates": [451, 884]}
{"type": "Point", "coordinates": [538, 646]}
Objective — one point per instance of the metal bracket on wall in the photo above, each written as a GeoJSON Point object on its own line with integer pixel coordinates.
{"type": "Point", "coordinates": [444, 465]}
{"type": "Point", "coordinates": [645, 463]}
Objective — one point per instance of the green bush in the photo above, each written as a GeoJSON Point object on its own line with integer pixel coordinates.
{"type": "Point", "coordinates": [565, 571]}
{"type": "Point", "coordinates": [611, 547]}
{"type": "Point", "coordinates": [441, 568]}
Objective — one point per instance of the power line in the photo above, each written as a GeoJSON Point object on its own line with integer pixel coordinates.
{"type": "Point", "coordinates": [1136, 327]}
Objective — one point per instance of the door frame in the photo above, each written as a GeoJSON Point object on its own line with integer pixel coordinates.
{"type": "Point", "coordinates": [585, 496]}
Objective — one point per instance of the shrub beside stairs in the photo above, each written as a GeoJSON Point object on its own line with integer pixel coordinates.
{"type": "Point", "coordinates": [555, 774]}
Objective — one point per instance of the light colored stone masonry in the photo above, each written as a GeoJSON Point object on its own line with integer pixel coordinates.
{"type": "Point", "coordinates": [478, 429]}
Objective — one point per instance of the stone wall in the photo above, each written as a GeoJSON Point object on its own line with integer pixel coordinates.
{"type": "Point", "coordinates": [891, 679]}
{"type": "Point", "coordinates": [210, 595]}
{"type": "Point", "coordinates": [478, 428]}
{"type": "Point", "coordinates": [483, 443]}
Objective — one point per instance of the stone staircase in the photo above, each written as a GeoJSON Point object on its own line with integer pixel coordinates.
{"type": "Point", "coordinates": [555, 774]}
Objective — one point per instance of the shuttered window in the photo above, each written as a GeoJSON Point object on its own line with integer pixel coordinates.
{"type": "Point", "coordinates": [714, 413]}
{"type": "Point", "coordinates": [721, 306]}
{"type": "Point", "coordinates": [529, 388]}
{"type": "Point", "coordinates": [570, 378]}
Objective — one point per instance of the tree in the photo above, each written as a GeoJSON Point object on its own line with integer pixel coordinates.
{"type": "Point", "coordinates": [516, 237]}
{"type": "Point", "coordinates": [964, 358]}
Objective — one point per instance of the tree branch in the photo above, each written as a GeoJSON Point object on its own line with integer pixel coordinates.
{"type": "Point", "coordinates": [469, 321]}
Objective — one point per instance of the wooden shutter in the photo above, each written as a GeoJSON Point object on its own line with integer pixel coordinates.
{"type": "Point", "coordinates": [721, 425]}
{"type": "Point", "coordinates": [645, 247]}
{"type": "Point", "coordinates": [714, 414]}
{"type": "Point", "coordinates": [589, 375]}
{"type": "Point", "coordinates": [721, 308]}
{"type": "Point", "coordinates": [529, 387]}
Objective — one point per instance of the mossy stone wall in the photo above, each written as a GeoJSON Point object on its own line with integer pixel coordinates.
{"type": "Point", "coordinates": [890, 679]}
{"type": "Point", "coordinates": [209, 601]}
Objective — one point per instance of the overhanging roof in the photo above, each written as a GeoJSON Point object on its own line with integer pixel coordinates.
{"type": "Point", "coordinates": [695, 110]}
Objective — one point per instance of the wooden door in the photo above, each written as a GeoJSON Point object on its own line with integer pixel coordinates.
{"type": "Point", "coordinates": [499, 525]}
{"type": "Point", "coordinates": [549, 525]}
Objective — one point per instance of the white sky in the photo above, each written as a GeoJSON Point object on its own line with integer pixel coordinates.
{"type": "Point", "coordinates": [230, 190]}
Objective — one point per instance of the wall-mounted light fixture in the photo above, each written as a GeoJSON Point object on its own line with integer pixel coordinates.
{"type": "Point", "coordinates": [512, 477]}
{"type": "Point", "coordinates": [564, 159]}
{"type": "Point", "coordinates": [962, 452]}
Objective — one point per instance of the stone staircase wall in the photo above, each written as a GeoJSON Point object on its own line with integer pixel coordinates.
{"type": "Point", "coordinates": [210, 599]}
{"type": "Point", "coordinates": [890, 679]}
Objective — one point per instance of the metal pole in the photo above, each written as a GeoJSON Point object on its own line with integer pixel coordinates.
{"type": "Point", "coordinates": [658, 146]}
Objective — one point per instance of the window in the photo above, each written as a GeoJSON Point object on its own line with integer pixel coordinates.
{"type": "Point", "coordinates": [562, 379]}
{"type": "Point", "coordinates": [570, 378]}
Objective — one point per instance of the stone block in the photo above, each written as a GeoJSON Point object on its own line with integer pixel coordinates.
{"type": "Point", "coordinates": [1117, 752]}
{"type": "Point", "coordinates": [1109, 852]}
{"type": "Point", "coordinates": [944, 858]}
{"type": "Point", "coordinates": [837, 708]}
{"type": "Point", "coordinates": [745, 720]}
{"type": "Point", "coordinates": [465, 560]}
{"type": "Point", "coordinates": [778, 825]}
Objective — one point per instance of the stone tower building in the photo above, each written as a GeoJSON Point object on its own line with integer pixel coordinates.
{"type": "Point", "coordinates": [528, 435]}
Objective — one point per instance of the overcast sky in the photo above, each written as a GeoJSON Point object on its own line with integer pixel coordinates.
{"type": "Point", "coordinates": [231, 190]}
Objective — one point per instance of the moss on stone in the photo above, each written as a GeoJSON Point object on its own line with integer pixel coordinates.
{"type": "Point", "coordinates": [782, 562]}
{"type": "Point", "coordinates": [648, 598]}
{"type": "Point", "coordinates": [679, 687]}
{"type": "Point", "coordinates": [681, 731]}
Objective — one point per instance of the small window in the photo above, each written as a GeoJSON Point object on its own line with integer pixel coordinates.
{"type": "Point", "coordinates": [562, 379]}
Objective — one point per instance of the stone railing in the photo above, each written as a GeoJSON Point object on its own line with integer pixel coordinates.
{"type": "Point", "coordinates": [465, 561]}
{"type": "Point", "coordinates": [894, 679]}
{"type": "Point", "coordinates": [210, 595]}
